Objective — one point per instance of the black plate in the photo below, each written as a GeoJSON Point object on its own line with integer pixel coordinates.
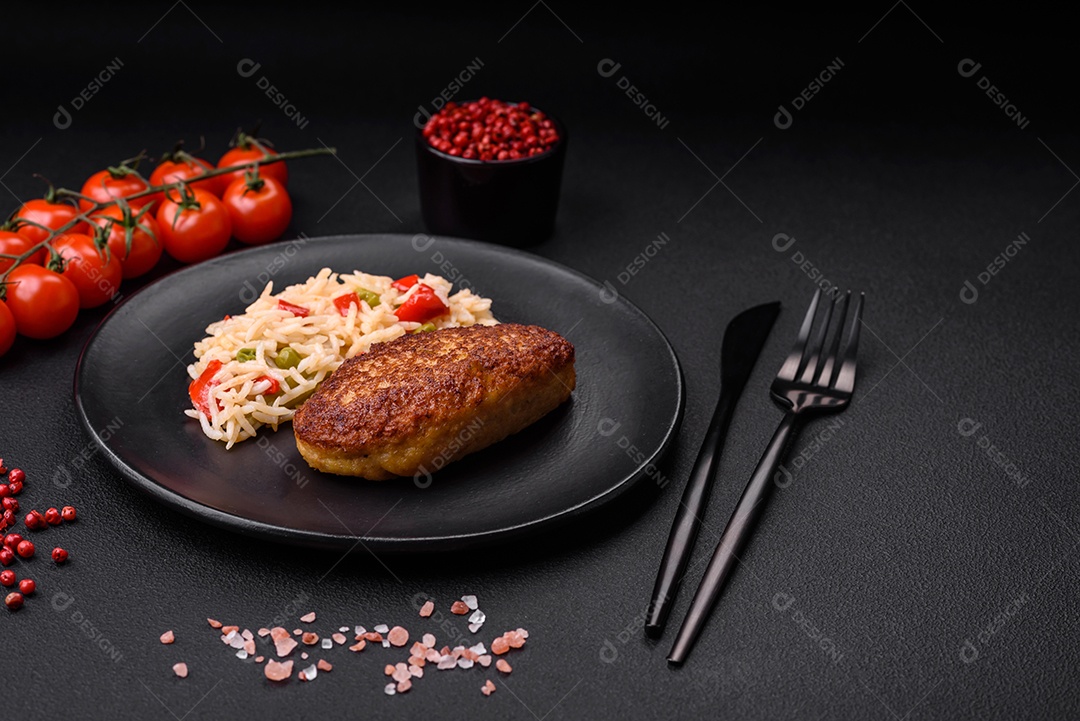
{"type": "Point", "coordinates": [131, 391]}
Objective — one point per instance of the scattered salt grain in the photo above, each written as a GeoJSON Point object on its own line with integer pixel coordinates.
{"type": "Point", "coordinates": [241, 654]}
{"type": "Point", "coordinates": [168, 637]}
{"type": "Point", "coordinates": [503, 666]}
{"type": "Point", "coordinates": [309, 673]}
{"type": "Point", "coordinates": [360, 630]}
{"type": "Point", "coordinates": [429, 640]}
{"type": "Point", "coordinates": [391, 689]}
{"type": "Point", "coordinates": [180, 669]}
{"type": "Point", "coordinates": [488, 688]}
{"type": "Point", "coordinates": [477, 616]}
{"type": "Point", "coordinates": [310, 638]}
{"type": "Point", "coordinates": [404, 686]}
{"type": "Point", "coordinates": [485, 661]}
{"type": "Point", "coordinates": [277, 671]}
{"type": "Point", "coordinates": [385, 644]}
{"type": "Point", "coordinates": [339, 638]}
{"type": "Point", "coordinates": [308, 617]}
{"type": "Point", "coordinates": [465, 663]}
{"type": "Point", "coordinates": [213, 623]}
{"type": "Point", "coordinates": [470, 601]}
{"type": "Point", "coordinates": [344, 629]}
{"type": "Point", "coordinates": [416, 671]}
{"type": "Point", "coordinates": [458, 608]}
{"type": "Point", "coordinates": [398, 636]}
{"type": "Point", "coordinates": [427, 609]}
{"type": "Point", "coordinates": [324, 665]}
{"type": "Point", "coordinates": [382, 628]}
{"type": "Point", "coordinates": [327, 643]}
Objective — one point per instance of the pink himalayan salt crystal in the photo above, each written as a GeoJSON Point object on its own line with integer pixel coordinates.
{"type": "Point", "coordinates": [398, 636]}
{"type": "Point", "coordinates": [180, 670]}
{"type": "Point", "coordinates": [278, 671]}
{"type": "Point", "coordinates": [168, 637]}
{"type": "Point", "coordinates": [308, 617]}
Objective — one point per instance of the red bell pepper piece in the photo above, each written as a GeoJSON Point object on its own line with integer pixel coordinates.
{"type": "Point", "coordinates": [342, 302]}
{"type": "Point", "coordinates": [403, 284]}
{"type": "Point", "coordinates": [422, 306]}
{"type": "Point", "coordinates": [274, 385]}
{"type": "Point", "coordinates": [294, 309]}
{"type": "Point", "coordinates": [199, 389]}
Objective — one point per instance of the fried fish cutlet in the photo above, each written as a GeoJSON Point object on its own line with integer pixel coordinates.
{"type": "Point", "coordinates": [419, 402]}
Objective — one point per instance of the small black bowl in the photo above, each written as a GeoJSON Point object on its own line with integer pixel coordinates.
{"type": "Point", "coordinates": [511, 202]}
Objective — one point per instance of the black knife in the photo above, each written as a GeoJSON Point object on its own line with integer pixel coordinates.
{"type": "Point", "coordinates": [743, 340]}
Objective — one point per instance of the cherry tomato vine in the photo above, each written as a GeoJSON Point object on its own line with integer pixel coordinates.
{"type": "Point", "coordinates": [73, 238]}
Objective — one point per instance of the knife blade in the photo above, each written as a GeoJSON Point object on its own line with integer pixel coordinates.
{"type": "Point", "coordinates": [743, 340]}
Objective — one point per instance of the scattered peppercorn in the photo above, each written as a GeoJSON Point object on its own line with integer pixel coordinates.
{"type": "Point", "coordinates": [7, 557]}
{"type": "Point", "coordinates": [27, 587]}
{"type": "Point", "coordinates": [25, 549]}
{"type": "Point", "coordinates": [34, 520]}
{"type": "Point", "coordinates": [17, 475]}
{"type": "Point", "coordinates": [52, 517]}
{"type": "Point", "coordinates": [7, 578]}
{"type": "Point", "coordinates": [14, 601]}
{"type": "Point", "coordinates": [12, 540]}
{"type": "Point", "coordinates": [59, 555]}
{"type": "Point", "coordinates": [68, 513]}
{"type": "Point", "coordinates": [15, 486]}
{"type": "Point", "coordinates": [5, 490]}
{"type": "Point", "coordinates": [10, 503]}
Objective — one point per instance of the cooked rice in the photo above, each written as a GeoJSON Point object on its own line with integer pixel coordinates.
{"type": "Point", "coordinates": [324, 339]}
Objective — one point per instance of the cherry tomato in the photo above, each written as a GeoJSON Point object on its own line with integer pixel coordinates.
{"type": "Point", "coordinates": [43, 303]}
{"type": "Point", "coordinates": [247, 151]}
{"type": "Point", "coordinates": [183, 167]}
{"type": "Point", "coordinates": [145, 250]}
{"type": "Point", "coordinates": [15, 244]}
{"type": "Point", "coordinates": [7, 331]}
{"type": "Point", "coordinates": [195, 227]}
{"type": "Point", "coordinates": [105, 185]}
{"type": "Point", "coordinates": [260, 209]}
{"type": "Point", "coordinates": [95, 271]}
{"type": "Point", "coordinates": [51, 215]}
{"type": "Point", "coordinates": [423, 305]}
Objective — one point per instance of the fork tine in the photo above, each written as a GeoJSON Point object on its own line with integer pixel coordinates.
{"type": "Point", "coordinates": [825, 377]}
{"type": "Point", "coordinates": [845, 378]}
{"type": "Point", "coordinates": [812, 354]}
{"type": "Point", "coordinates": [791, 365]}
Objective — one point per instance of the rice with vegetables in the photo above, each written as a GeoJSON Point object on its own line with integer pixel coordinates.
{"type": "Point", "coordinates": [255, 369]}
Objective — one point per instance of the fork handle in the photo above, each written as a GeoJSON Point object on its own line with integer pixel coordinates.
{"type": "Point", "coordinates": [734, 539]}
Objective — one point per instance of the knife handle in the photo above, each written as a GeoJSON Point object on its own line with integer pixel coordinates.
{"type": "Point", "coordinates": [687, 523]}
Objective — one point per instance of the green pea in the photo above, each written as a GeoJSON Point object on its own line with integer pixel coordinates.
{"type": "Point", "coordinates": [371, 297]}
{"type": "Point", "coordinates": [425, 328]}
{"type": "Point", "coordinates": [287, 358]}
{"type": "Point", "coordinates": [245, 354]}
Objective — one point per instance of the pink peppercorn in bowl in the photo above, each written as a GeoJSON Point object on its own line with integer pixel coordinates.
{"type": "Point", "coordinates": [491, 170]}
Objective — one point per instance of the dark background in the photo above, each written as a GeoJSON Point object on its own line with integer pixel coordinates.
{"type": "Point", "coordinates": [942, 587]}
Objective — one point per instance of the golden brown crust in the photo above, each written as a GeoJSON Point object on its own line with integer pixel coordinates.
{"type": "Point", "coordinates": [424, 400]}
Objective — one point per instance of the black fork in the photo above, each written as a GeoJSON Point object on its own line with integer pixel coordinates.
{"type": "Point", "coordinates": [817, 377]}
